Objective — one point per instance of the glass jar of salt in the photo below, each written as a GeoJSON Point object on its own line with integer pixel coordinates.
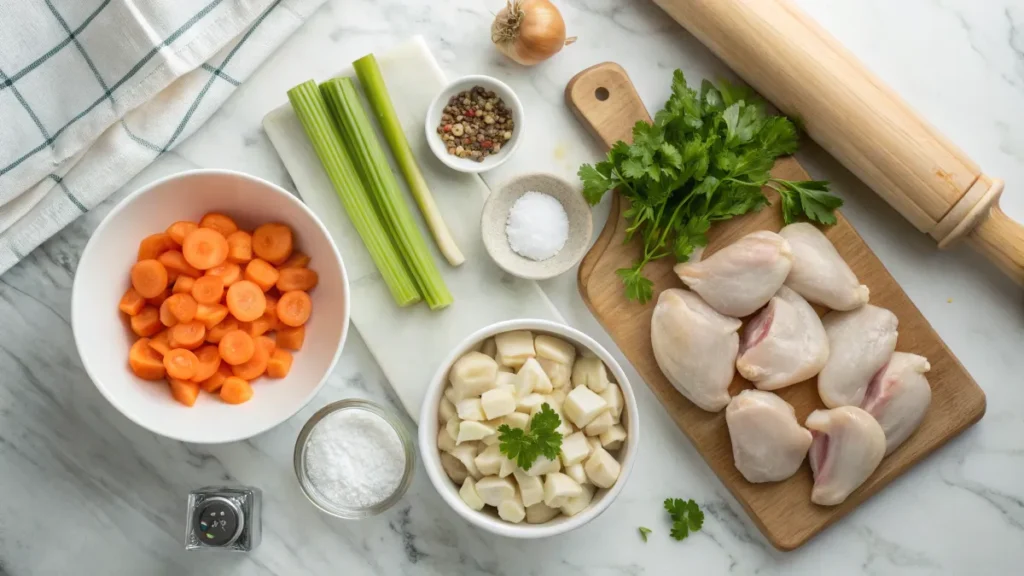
{"type": "Point", "coordinates": [353, 459]}
{"type": "Point", "coordinates": [537, 226]}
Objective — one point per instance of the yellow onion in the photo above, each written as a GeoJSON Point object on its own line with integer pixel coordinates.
{"type": "Point", "coordinates": [529, 31]}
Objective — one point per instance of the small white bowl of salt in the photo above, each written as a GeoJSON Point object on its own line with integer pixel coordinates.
{"type": "Point", "coordinates": [536, 226]}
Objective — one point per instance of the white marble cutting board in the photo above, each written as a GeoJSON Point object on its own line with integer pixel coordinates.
{"type": "Point", "coordinates": [409, 343]}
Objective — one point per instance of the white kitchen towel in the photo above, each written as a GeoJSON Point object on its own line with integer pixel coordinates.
{"type": "Point", "coordinates": [91, 91]}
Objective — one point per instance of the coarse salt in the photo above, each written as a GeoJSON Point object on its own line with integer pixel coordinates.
{"type": "Point", "coordinates": [354, 458]}
{"type": "Point", "coordinates": [537, 226]}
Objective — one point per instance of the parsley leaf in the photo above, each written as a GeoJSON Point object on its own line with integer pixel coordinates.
{"type": "Point", "coordinates": [638, 286]}
{"type": "Point", "coordinates": [809, 198]}
{"type": "Point", "coordinates": [686, 516]}
{"type": "Point", "coordinates": [542, 439]}
{"type": "Point", "coordinates": [644, 532]}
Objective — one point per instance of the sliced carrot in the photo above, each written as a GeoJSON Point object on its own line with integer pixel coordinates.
{"type": "Point", "coordinates": [184, 391]}
{"type": "Point", "coordinates": [167, 317]}
{"type": "Point", "coordinates": [183, 306]}
{"type": "Point", "coordinates": [149, 278]}
{"type": "Point", "coordinates": [239, 247]}
{"type": "Point", "coordinates": [261, 273]}
{"type": "Point", "coordinates": [158, 300]}
{"type": "Point", "coordinates": [291, 338]}
{"type": "Point", "coordinates": [294, 308]}
{"type": "Point", "coordinates": [144, 361]}
{"type": "Point", "coordinates": [147, 322]}
{"type": "Point", "coordinates": [271, 313]}
{"type": "Point", "coordinates": [235, 391]}
{"type": "Point", "coordinates": [208, 290]}
{"type": "Point", "coordinates": [219, 222]}
{"type": "Point", "coordinates": [175, 262]}
{"type": "Point", "coordinates": [280, 364]}
{"type": "Point", "coordinates": [209, 362]}
{"type": "Point", "coordinates": [181, 363]}
{"type": "Point", "coordinates": [256, 365]}
{"type": "Point", "coordinates": [161, 342]}
{"type": "Point", "coordinates": [213, 383]}
{"type": "Point", "coordinates": [188, 335]}
{"type": "Point", "coordinates": [297, 279]}
{"type": "Point", "coordinates": [183, 285]}
{"type": "Point", "coordinates": [246, 301]}
{"type": "Point", "coordinates": [267, 344]}
{"type": "Point", "coordinates": [179, 230]}
{"type": "Point", "coordinates": [257, 327]}
{"type": "Point", "coordinates": [296, 260]}
{"type": "Point", "coordinates": [236, 347]}
{"type": "Point", "coordinates": [131, 303]}
{"type": "Point", "coordinates": [272, 242]}
{"type": "Point", "coordinates": [211, 314]}
{"type": "Point", "coordinates": [205, 248]}
{"type": "Point", "coordinates": [153, 246]}
{"type": "Point", "coordinates": [229, 272]}
{"type": "Point", "coordinates": [215, 334]}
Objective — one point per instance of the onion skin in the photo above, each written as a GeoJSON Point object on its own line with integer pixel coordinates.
{"type": "Point", "coordinates": [529, 31]}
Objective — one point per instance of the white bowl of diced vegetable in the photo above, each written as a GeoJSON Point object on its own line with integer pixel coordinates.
{"type": "Point", "coordinates": [519, 384]}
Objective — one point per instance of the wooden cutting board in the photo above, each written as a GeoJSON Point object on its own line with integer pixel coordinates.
{"type": "Point", "coordinates": [605, 100]}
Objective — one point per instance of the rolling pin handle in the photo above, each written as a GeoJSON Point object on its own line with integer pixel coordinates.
{"type": "Point", "coordinates": [1000, 239]}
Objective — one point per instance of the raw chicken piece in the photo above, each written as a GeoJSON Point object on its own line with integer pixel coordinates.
{"type": "Point", "coordinates": [784, 344]}
{"type": "Point", "coordinates": [743, 276]}
{"type": "Point", "coordinates": [898, 397]}
{"type": "Point", "coordinates": [860, 342]}
{"type": "Point", "coordinates": [695, 347]}
{"type": "Point", "coordinates": [819, 273]}
{"type": "Point", "coordinates": [768, 444]}
{"type": "Point", "coordinates": [848, 445]}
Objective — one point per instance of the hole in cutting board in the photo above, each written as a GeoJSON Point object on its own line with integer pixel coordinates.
{"type": "Point", "coordinates": [601, 94]}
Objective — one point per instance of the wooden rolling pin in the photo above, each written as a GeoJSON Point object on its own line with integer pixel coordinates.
{"type": "Point", "coordinates": [803, 70]}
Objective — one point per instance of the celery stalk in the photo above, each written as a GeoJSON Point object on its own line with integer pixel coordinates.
{"type": "Point", "coordinates": [311, 109]}
{"type": "Point", "coordinates": [368, 156]}
{"type": "Point", "coordinates": [377, 93]}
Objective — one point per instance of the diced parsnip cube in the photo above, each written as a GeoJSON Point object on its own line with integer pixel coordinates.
{"type": "Point", "coordinates": [470, 409]}
{"type": "Point", "coordinates": [581, 406]}
{"type": "Point", "coordinates": [494, 490]}
{"type": "Point", "coordinates": [451, 394]}
{"type": "Point", "coordinates": [543, 466]}
{"type": "Point", "coordinates": [454, 468]}
{"type": "Point", "coordinates": [574, 506]}
{"type": "Point", "coordinates": [602, 468]}
{"type": "Point", "coordinates": [506, 380]}
{"type": "Point", "coordinates": [599, 425]}
{"type": "Point", "coordinates": [540, 513]}
{"type": "Point", "coordinates": [529, 403]}
{"type": "Point", "coordinates": [466, 453]}
{"type": "Point", "coordinates": [515, 347]}
{"type": "Point", "coordinates": [452, 427]}
{"type": "Point", "coordinates": [559, 488]}
{"type": "Point", "coordinates": [444, 441]}
{"type": "Point", "coordinates": [558, 395]}
{"type": "Point", "coordinates": [517, 420]}
{"type": "Point", "coordinates": [445, 410]}
{"type": "Point", "coordinates": [613, 396]}
{"type": "Point", "coordinates": [575, 449]}
{"type": "Point", "coordinates": [564, 427]}
{"type": "Point", "coordinates": [533, 379]}
{"type": "Point", "coordinates": [502, 369]}
{"type": "Point", "coordinates": [471, 431]}
{"type": "Point", "coordinates": [469, 495]}
{"type": "Point", "coordinates": [512, 510]}
{"type": "Point", "coordinates": [473, 374]}
{"type": "Point", "coordinates": [613, 437]}
{"type": "Point", "coordinates": [559, 374]}
{"type": "Point", "coordinates": [493, 438]}
{"type": "Point", "coordinates": [489, 347]}
{"type": "Point", "coordinates": [488, 462]}
{"type": "Point", "coordinates": [497, 403]}
{"type": "Point", "coordinates": [507, 468]}
{"type": "Point", "coordinates": [590, 372]}
{"type": "Point", "coordinates": [577, 473]}
{"type": "Point", "coordinates": [531, 488]}
{"type": "Point", "coordinates": [594, 442]}
{"type": "Point", "coordinates": [555, 349]}
{"type": "Point", "coordinates": [490, 440]}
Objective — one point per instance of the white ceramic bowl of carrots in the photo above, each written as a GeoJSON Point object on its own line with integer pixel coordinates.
{"type": "Point", "coordinates": [210, 306]}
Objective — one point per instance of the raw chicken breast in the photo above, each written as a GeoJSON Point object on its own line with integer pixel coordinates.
{"type": "Point", "coordinates": [768, 444]}
{"type": "Point", "coordinates": [695, 347]}
{"type": "Point", "coordinates": [848, 445]}
{"type": "Point", "coordinates": [819, 273]}
{"type": "Point", "coordinates": [898, 397]}
{"type": "Point", "coordinates": [784, 344]}
{"type": "Point", "coordinates": [860, 342]}
{"type": "Point", "coordinates": [743, 276]}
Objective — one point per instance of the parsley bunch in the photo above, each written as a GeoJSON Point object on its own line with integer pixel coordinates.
{"type": "Point", "coordinates": [524, 447]}
{"type": "Point", "coordinates": [686, 516]}
{"type": "Point", "coordinates": [705, 158]}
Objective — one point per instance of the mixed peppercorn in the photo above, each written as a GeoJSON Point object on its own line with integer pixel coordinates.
{"type": "Point", "coordinates": [475, 124]}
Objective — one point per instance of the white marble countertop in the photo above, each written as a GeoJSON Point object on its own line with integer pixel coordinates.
{"type": "Point", "coordinates": [85, 491]}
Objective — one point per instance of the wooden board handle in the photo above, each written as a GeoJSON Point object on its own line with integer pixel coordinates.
{"type": "Point", "coordinates": [605, 101]}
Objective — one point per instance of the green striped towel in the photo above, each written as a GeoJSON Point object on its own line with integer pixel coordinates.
{"type": "Point", "coordinates": [91, 91]}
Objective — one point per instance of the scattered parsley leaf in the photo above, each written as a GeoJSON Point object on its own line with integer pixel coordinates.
{"type": "Point", "coordinates": [809, 198]}
{"type": "Point", "coordinates": [686, 516]}
{"type": "Point", "coordinates": [644, 532]}
{"type": "Point", "coordinates": [542, 439]}
{"type": "Point", "coordinates": [638, 286]}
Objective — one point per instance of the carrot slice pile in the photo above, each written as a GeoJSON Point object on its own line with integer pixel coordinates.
{"type": "Point", "coordinates": [188, 335]}
{"type": "Point", "coordinates": [179, 230]}
{"type": "Point", "coordinates": [236, 347]}
{"type": "Point", "coordinates": [219, 222]}
{"type": "Point", "coordinates": [272, 242]}
{"type": "Point", "coordinates": [184, 391]}
{"type": "Point", "coordinates": [211, 315]}
{"type": "Point", "coordinates": [235, 390]}
{"type": "Point", "coordinates": [131, 303]}
{"type": "Point", "coordinates": [302, 279]}
{"type": "Point", "coordinates": [208, 289]}
{"type": "Point", "coordinates": [153, 246]}
{"type": "Point", "coordinates": [294, 308]}
{"type": "Point", "coordinates": [296, 260]}
{"type": "Point", "coordinates": [149, 278]}
{"type": "Point", "coordinates": [205, 248]}
{"type": "Point", "coordinates": [213, 383]}
{"type": "Point", "coordinates": [261, 273]}
{"type": "Point", "coordinates": [291, 338]}
{"type": "Point", "coordinates": [183, 285]}
{"type": "Point", "coordinates": [144, 361]}
{"type": "Point", "coordinates": [228, 324]}
{"type": "Point", "coordinates": [209, 362]}
{"type": "Point", "coordinates": [174, 261]}
{"type": "Point", "coordinates": [239, 247]}
{"type": "Point", "coordinates": [229, 273]}
{"type": "Point", "coordinates": [246, 301]}
{"type": "Point", "coordinates": [280, 364]}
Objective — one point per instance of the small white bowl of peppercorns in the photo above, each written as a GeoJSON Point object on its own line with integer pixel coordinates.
{"type": "Point", "coordinates": [474, 124]}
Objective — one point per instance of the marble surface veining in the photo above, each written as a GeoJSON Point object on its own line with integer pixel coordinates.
{"type": "Point", "coordinates": [85, 491]}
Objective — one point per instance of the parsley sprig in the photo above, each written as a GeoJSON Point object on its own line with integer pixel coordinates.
{"type": "Point", "coordinates": [686, 516]}
{"type": "Point", "coordinates": [705, 158]}
{"type": "Point", "coordinates": [524, 447]}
